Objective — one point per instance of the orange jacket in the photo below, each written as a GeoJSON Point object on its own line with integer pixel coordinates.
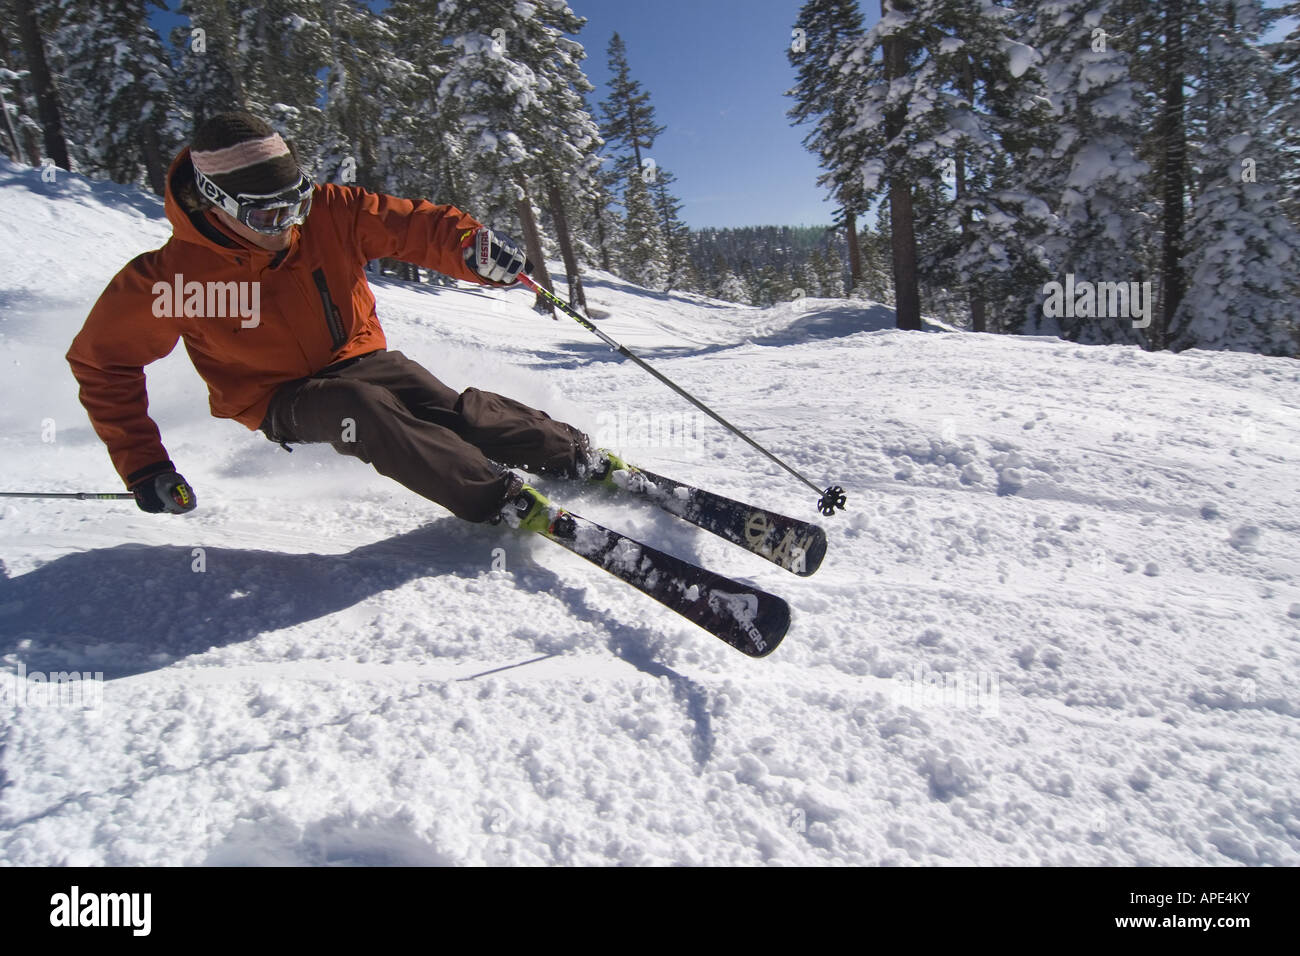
{"type": "Point", "coordinates": [314, 307]}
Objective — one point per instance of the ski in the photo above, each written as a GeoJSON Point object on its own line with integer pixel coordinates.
{"type": "Point", "coordinates": [798, 546]}
{"type": "Point", "coordinates": [749, 619]}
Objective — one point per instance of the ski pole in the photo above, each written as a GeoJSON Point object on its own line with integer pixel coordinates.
{"type": "Point", "coordinates": [84, 495]}
{"type": "Point", "coordinates": [831, 498]}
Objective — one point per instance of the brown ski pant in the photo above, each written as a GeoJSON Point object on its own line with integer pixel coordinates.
{"type": "Point", "coordinates": [392, 413]}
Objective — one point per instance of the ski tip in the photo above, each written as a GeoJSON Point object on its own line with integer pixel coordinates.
{"type": "Point", "coordinates": [814, 552]}
{"type": "Point", "coordinates": [769, 629]}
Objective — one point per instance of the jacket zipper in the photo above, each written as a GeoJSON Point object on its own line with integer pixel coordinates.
{"type": "Point", "coordinates": [332, 318]}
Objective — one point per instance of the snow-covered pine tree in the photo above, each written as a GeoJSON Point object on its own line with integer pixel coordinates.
{"type": "Point", "coordinates": [118, 83]}
{"type": "Point", "coordinates": [365, 89]}
{"type": "Point", "coordinates": [675, 232]}
{"type": "Point", "coordinates": [516, 84]}
{"type": "Point", "coordinates": [268, 58]}
{"type": "Point", "coordinates": [30, 18]}
{"type": "Point", "coordinates": [628, 126]}
{"type": "Point", "coordinates": [1285, 117]}
{"type": "Point", "coordinates": [598, 220]}
{"type": "Point", "coordinates": [596, 225]}
{"type": "Point", "coordinates": [712, 264]}
{"type": "Point", "coordinates": [893, 89]}
{"type": "Point", "coordinates": [644, 258]}
{"type": "Point", "coordinates": [732, 289]}
{"type": "Point", "coordinates": [422, 147]}
{"type": "Point", "coordinates": [977, 231]}
{"type": "Point", "coordinates": [812, 276]}
{"type": "Point", "coordinates": [831, 274]}
{"type": "Point", "coordinates": [21, 131]}
{"type": "Point", "coordinates": [1243, 254]}
{"type": "Point", "coordinates": [824, 27]}
{"type": "Point", "coordinates": [206, 69]}
{"type": "Point", "coordinates": [1089, 170]}
{"type": "Point", "coordinates": [1174, 19]}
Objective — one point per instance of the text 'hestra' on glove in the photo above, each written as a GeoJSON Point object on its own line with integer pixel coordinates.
{"type": "Point", "coordinates": [494, 255]}
{"type": "Point", "coordinates": [164, 490]}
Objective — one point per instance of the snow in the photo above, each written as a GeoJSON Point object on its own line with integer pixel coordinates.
{"type": "Point", "coordinates": [1057, 624]}
{"type": "Point", "coordinates": [1020, 57]}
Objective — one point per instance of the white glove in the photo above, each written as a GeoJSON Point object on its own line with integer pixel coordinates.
{"type": "Point", "coordinates": [495, 256]}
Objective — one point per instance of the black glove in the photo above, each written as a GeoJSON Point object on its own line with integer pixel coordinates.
{"type": "Point", "coordinates": [495, 256]}
{"type": "Point", "coordinates": [162, 489]}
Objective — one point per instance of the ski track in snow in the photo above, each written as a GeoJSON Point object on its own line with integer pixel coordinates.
{"type": "Point", "coordinates": [1057, 624]}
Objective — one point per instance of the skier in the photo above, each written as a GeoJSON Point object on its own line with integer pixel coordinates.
{"type": "Point", "coordinates": [264, 280]}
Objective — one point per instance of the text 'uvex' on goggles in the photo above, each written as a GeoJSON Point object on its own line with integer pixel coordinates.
{"type": "Point", "coordinates": [267, 214]}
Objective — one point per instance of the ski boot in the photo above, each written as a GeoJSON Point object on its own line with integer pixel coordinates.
{"type": "Point", "coordinates": [527, 508]}
{"type": "Point", "coordinates": [602, 466]}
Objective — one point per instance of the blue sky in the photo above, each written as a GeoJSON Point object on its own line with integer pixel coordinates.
{"type": "Point", "coordinates": [716, 71]}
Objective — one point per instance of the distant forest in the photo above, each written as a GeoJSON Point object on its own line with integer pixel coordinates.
{"type": "Point", "coordinates": [762, 265]}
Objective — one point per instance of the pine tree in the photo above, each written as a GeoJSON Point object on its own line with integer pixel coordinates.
{"type": "Point", "coordinates": [629, 127]}
{"type": "Point", "coordinates": [732, 289]}
{"type": "Point", "coordinates": [365, 87]}
{"type": "Point", "coordinates": [814, 272]}
{"type": "Point", "coordinates": [831, 277]}
{"type": "Point", "coordinates": [119, 81]}
{"type": "Point", "coordinates": [825, 27]}
{"type": "Point", "coordinates": [570, 155]}
{"type": "Point", "coordinates": [597, 225]}
{"type": "Point", "coordinates": [267, 58]}
{"type": "Point", "coordinates": [978, 228]}
{"type": "Point", "coordinates": [1243, 252]}
{"type": "Point", "coordinates": [517, 86]}
{"type": "Point", "coordinates": [45, 92]}
{"type": "Point", "coordinates": [206, 69]}
{"type": "Point", "coordinates": [644, 258]}
{"type": "Point", "coordinates": [893, 95]}
{"type": "Point", "coordinates": [1285, 117]}
{"type": "Point", "coordinates": [628, 119]}
{"type": "Point", "coordinates": [422, 146]}
{"type": "Point", "coordinates": [675, 232]}
{"type": "Point", "coordinates": [1089, 169]}
{"type": "Point", "coordinates": [1173, 167]}
{"type": "Point", "coordinates": [21, 129]}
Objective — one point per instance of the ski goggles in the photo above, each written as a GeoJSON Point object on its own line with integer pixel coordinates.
{"type": "Point", "coordinates": [269, 213]}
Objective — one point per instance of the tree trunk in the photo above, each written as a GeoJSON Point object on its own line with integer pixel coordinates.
{"type": "Point", "coordinates": [155, 164]}
{"type": "Point", "coordinates": [17, 151]}
{"type": "Point", "coordinates": [978, 321]}
{"type": "Point", "coordinates": [47, 96]}
{"type": "Point", "coordinates": [907, 295]}
{"type": "Point", "coordinates": [533, 246]}
{"type": "Point", "coordinates": [601, 238]}
{"type": "Point", "coordinates": [577, 297]}
{"type": "Point", "coordinates": [1173, 174]}
{"type": "Point", "coordinates": [855, 254]}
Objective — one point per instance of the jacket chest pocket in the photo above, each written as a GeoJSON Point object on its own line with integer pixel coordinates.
{"type": "Point", "coordinates": [333, 318]}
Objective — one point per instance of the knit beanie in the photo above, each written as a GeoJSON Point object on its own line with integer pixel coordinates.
{"type": "Point", "coordinates": [242, 154]}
